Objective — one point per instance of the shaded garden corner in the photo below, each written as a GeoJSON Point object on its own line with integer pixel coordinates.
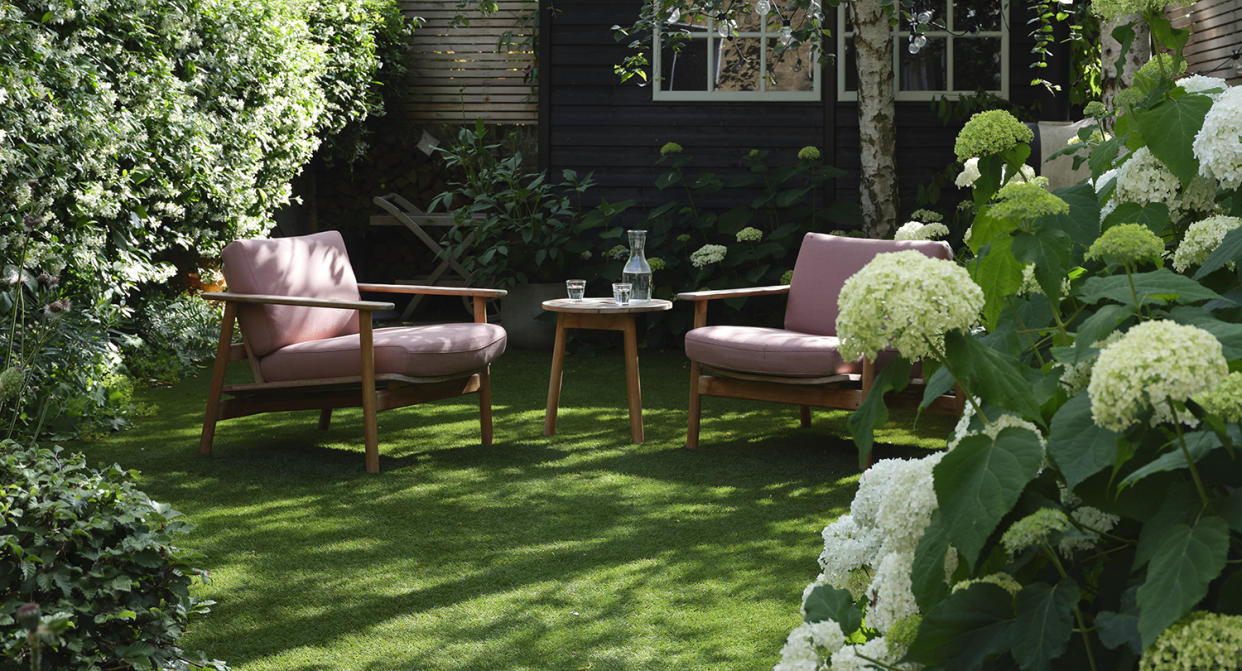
{"type": "Point", "coordinates": [575, 551]}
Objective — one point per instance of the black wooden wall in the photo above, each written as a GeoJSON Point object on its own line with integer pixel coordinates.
{"type": "Point", "coordinates": [591, 122]}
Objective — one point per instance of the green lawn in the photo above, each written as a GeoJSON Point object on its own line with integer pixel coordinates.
{"type": "Point", "coordinates": [576, 551]}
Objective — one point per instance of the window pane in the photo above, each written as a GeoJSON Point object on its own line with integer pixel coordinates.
{"type": "Point", "coordinates": [790, 69]}
{"type": "Point", "coordinates": [973, 15]}
{"type": "Point", "coordinates": [684, 70]}
{"type": "Point", "coordinates": [924, 71]}
{"type": "Point", "coordinates": [737, 65]}
{"type": "Point", "coordinates": [977, 63]}
{"type": "Point", "coordinates": [851, 66]}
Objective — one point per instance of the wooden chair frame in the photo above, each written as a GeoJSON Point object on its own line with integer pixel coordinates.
{"type": "Point", "coordinates": [326, 394]}
{"type": "Point", "coordinates": [835, 391]}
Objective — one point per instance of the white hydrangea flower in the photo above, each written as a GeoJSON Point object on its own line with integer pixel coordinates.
{"type": "Point", "coordinates": [1095, 521]}
{"type": "Point", "coordinates": [1202, 84]}
{"type": "Point", "coordinates": [1201, 239]}
{"type": "Point", "coordinates": [1145, 179]}
{"type": "Point", "coordinates": [917, 230]}
{"type": "Point", "coordinates": [808, 645]}
{"type": "Point", "coordinates": [907, 300]}
{"type": "Point", "coordinates": [970, 173]}
{"type": "Point", "coordinates": [908, 503]}
{"type": "Point", "coordinates": [1218, 145]}
{"type": "Point", "coordinates": [890, 594]}
{"type": "Point", "coordinates": [707, 255]}
{"type": "Point", "coordinates": [847, 548]}
{"type": "Point", "coordinates": [854, 657]}
{"type": "Point", "coordinates": [1153, 363]}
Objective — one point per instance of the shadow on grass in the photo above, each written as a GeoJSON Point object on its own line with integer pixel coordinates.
{"type": "Point", "coordinates": [574, 551]}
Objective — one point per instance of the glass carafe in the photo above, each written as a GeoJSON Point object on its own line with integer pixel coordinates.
{"type": "Point", "coordinates": [637, 271]}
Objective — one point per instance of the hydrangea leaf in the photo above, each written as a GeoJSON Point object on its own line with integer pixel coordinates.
{"type": "Point", "coordinates": [1118, 629]}
{"type": "Point", "coordinates": [1170, 129]}
{"type": "Point", "coordinates": [999, 274]}
{"type": "Point", "coordinates": [1049, 250]}
{"type": "Point", "coordinates": [927, 574]}
{"type": "Point", "coordinates": [991, 374]}
{"type": "Point", "coordinates": [1198, 444]}
{"type": "Point", "coordinates": [1079, 447]}
{"type": "Point", "coordinates": [825, 602]}
{"type": "Point", "coordinates": [980, 480]}
{"type": "Point", "coordinates": [1103, 157]}
{"type": "Point", "coordinates": [1231, 509]}
{"type": "Point", "coordinates": [1097, 327]}
{"type": "Point", "coordinates": [965, 628]}
{"type": "Point", "coordinates": [1045, 619]}
{"type": "Point", "coordinates": [1082, 224]}
{"type": "Point", "coordinates": [1159, 282]}
{"type": "Point", "coordinates": [938, 384]}
{"type": "Point", "coordinates": [872, 413]}
{"type": "Point", "coordinates": [1230, 249]}
{"type": "Point", "coordinates": [1186, 560]}
{"type": "Point", "coordinates": [1154, 216]}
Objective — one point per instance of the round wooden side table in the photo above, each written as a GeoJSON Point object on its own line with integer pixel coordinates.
{"type": "Point", "coordinates": [603, 314]}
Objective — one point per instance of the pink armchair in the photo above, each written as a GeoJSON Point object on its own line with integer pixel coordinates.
{"type": "Point", "coordinates": [310, 344]}
{"type": "Point", "coordinates": [799, 363]}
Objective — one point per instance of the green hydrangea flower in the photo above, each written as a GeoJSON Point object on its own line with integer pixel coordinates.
{"type": "Point", "coordinates": [907, 300]}
{"type": "Point", "coordinates": [656, 263]}
{"type": "Point", "coordinates": [1034, 529]}
{"type": "Point", "coordinates": [707, 255]}
{"type": "Point", "coordinates": [618, 252]}
{"type": "Point", "coordinates": [1154, 363]}
{"type": "Point", "coordinates": [1020, 200]}
{"type": "Point", "coordinates": [1128, 245]}
{"type": "Point", "coordinates": [1095, 109]}
{"type": "Point", "coordinates": [1201, 239]}
{"type": "Point", "coordinates": [787, 277]}
{"type": "Point", "coordinates": [926, 216]}
{"type": "Point", "coordinates": [1001, 580]}
{"type": "Point", "coordinates": [749, 234]}
{"type": "Point", "coordinates": [988, 133]}
{"type": "Point", "coordinates": [684, 237]}
{"type": "Point", "coordinates": [670, 148]}
{"type": "Point", "coordinates": [809, 153]}
{"type": "Point", "coordinates": [1201, 640]}
{"type": "Point", "coordinates": [10, 382]}
{"type": "Point", "coordinates": [901, 634]}
{"type": "Point", "coordinates": [1111, 9]}
{"type": "Point", "coordinates": [1225, 399]}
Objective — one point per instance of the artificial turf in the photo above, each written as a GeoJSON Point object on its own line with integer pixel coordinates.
{"type": "Point", "coordinates": [574, 551]}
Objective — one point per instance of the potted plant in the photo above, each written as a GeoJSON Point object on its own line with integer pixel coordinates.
{"type": "Point", "coordinates": [517, 230]}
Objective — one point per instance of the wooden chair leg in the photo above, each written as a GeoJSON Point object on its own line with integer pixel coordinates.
{"type": "Point", "coordinates": [804, 416]}
{"type": "Point", "coordinates": [692, 427]}
{"type": "Point", "coordinates": [485, 405]}
{"type": "Point", "coordinates": [368, 393]}
{"type": "Point", "coordinates": [217, 379]}
{"type": "Point", "coordinates": [325, 419]}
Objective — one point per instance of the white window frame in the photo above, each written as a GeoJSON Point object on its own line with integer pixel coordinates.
{"type": "Point", "coordinates": [901, 35]}
{"type": "Point", "coordinates": [714, 45]}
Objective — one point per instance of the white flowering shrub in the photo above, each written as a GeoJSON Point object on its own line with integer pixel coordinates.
{"type": "Point", "coordinates": [135, 131]}
{"type": "Point", "coordinates": [1084, 514]}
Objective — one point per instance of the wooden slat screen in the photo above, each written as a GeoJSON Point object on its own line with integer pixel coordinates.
{"type": "Point", "coordinates": [1215, 33]}
{"type": "Point", "coordinates": [462, 73]}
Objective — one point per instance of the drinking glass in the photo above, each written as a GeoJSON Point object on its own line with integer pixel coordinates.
{"type": "Point", "coordinates": [575, 288]}
{"type": "Point", "coordinates": [621, 292]}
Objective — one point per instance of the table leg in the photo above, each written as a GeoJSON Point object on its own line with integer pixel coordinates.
{"type": "Point", "coordinates": [554, 380]}
{"type": "Point", "coordinates": [633, 389]}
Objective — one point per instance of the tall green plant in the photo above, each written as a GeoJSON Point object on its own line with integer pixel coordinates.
{"type": "Point", "coordinates": [1090, 502]}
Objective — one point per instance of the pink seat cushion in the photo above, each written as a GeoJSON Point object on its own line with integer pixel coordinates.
{"type": "Point", "coordinates": [768, 351]}
{"type": "Point", "coordinates": [824, 263]}
{"type": "Point", "coordinates": [416, 351]}
{"type": "Point", "coordinates": [309, 266]}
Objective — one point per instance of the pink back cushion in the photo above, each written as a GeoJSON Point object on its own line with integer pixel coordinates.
{"type": "Point", "coordinates": [308, 266]}
{"type": "Point", "coordinates": [824, 263]}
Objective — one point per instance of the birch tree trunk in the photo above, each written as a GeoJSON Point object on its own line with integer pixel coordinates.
{"type": "Point", "coordinates": [873, 44]}
{"type": "Point", "coordinates": [1112, 81]}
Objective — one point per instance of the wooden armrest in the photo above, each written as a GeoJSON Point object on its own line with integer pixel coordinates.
{"type": "Point", "coordinates": [432, 291]}
{"type": "Point", "coordinates": [733, 293]}
{"type": "Point", "coordinates": [365, 306]}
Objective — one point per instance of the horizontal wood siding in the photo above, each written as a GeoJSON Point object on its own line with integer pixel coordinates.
{"type": "Point", "coordinates": [463, 73]}
{"type": "Point", "coordinates": [1215, 36]}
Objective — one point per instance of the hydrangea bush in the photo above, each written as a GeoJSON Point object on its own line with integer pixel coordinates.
{"type": "Point", "coordinates": [1087, 512]}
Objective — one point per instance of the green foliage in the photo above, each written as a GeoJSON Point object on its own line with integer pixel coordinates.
{"type": "Point", "coordinates": [513, 225]}
{"type": "Point", "coordinates": [171, 337]}
{"type": "Point", "coordinates": [89, 578]}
